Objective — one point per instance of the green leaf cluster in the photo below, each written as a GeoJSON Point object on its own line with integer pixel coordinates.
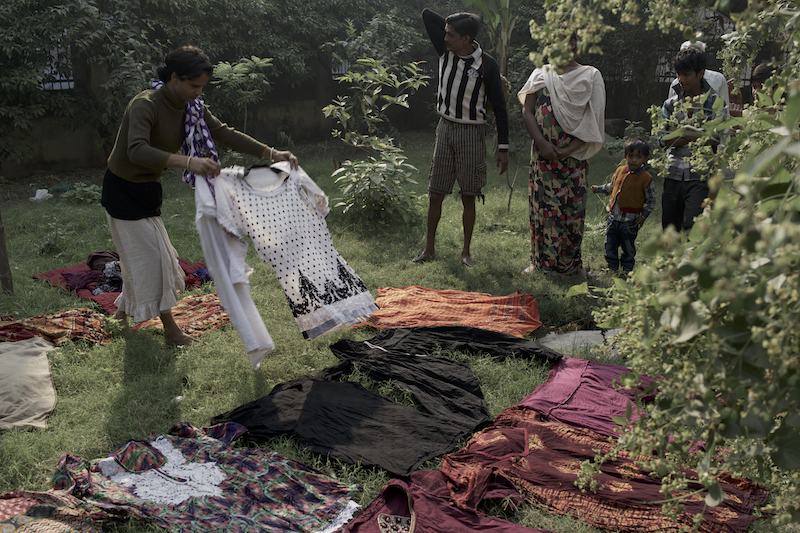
{"type": "Point", "coordinates": [380, 185]}
{"type": "Point", "coordinates": [83, 193]}
{"type": "Point", "coordinates": [43, 40]}
{"type": "Point", "coordinates": [374, 87]}
{"type": "Point", "coordinates": [387, 36]}
{"type": "Point", "coordinates": [115, 45]}
{"type": "Point", "coordinates": [238, 85]}
{"type": "Point", "coordinates": [714, 314]}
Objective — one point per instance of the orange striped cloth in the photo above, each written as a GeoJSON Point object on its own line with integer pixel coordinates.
{"type": "Point", "coordinates": [195, 314]}
{"type": "Point", "coordinates": [81, 323]}
{"type": "Point", "coordinates": [411, 307]}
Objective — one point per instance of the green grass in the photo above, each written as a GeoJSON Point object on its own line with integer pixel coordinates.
{"type": "Point", "coordinates": [138, 385]}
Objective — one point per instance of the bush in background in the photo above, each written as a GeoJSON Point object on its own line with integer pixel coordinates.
{"type": "Point", "coordinates": [378, 185]}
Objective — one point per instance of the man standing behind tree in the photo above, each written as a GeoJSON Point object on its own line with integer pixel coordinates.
{"type": "Point", "coordinates": [469, 85]}
{"type": "Point", "coordinates": [685, 187]}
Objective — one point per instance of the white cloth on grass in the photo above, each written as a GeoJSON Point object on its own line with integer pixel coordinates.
{"type": "Point", "coordinates": [27, 396]}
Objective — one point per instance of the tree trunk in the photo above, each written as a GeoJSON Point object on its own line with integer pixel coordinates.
{"type": "Point", "coordinates": [5, 268]}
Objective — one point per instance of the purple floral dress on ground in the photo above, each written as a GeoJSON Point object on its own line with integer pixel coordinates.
{"type": "Point", "coordinates": [192, 481]}
{"type": "Point", "coordinates": [557, 199]}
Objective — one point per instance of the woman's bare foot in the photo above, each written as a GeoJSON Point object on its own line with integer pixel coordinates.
{"type": "Point", "coordinates": [122, 317]}
{"type": "Point", "coordinates": [181, 339]}
{"type": "Point", "coordinates": [173, 332]}
{"type": "Point", "coordinates": [582, 273]}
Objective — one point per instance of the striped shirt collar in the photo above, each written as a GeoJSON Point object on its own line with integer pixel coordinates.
{"type": "Point", "coordinates": [476, 56]}
{"type": "Point", "coordinates": [629, 171]}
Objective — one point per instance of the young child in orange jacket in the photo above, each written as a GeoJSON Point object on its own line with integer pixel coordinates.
{"type": "Point", "coordinates": [633, 198]}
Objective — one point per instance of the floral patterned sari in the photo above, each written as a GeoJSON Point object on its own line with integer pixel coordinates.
{"type": "Point", "coordinates": [557, 198]}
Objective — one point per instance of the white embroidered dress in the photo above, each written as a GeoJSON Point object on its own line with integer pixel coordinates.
{"type": "Point", "coordinates": [286, 222]}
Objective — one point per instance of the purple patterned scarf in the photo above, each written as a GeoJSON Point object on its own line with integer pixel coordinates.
{"type": "Point", "coordinates": [197, 141]}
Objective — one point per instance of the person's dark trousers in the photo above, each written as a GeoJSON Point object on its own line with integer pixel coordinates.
{"type": "Point", "coordinates": [621, 235]}
{"type": "Point", "coordinates": [681, 201]}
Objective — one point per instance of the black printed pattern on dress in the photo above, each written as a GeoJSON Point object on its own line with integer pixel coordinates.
{"type": "Point", "coordinates": [312, 298]}
{"type": "Point", "coordinates": [287, 227]}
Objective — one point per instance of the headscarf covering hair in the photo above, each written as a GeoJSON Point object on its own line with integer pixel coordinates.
{"type": "Point", "coordinates": [189, 62]}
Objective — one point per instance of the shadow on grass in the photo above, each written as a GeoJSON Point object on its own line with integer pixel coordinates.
{"type": "Point", "coordinates": [151, 385]}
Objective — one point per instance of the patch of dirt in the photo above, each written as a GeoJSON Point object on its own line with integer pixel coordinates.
{"type": "Point", "coordinates": [586, 323]}
{"type": "Point", "coordinates": [19, 189]}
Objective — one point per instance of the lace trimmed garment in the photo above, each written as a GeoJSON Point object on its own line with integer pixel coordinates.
{"type": "Point", "coordinates": [287, 226]}
{"type": "Point", "coordinates": [191, 480]}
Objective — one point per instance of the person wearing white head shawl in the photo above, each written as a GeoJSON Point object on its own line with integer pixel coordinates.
{"type": "Point", "coordinates": [564, 112]}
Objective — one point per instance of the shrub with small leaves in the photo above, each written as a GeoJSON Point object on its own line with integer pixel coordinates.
{"type": "Point", "coordinates": [378, 184]}
{"type": "Point", "coordinates": [714, 313]}
{"type": "Point", "coordinates": [83, 193]}
{"type": "Point", "coordinates": [378, 187]}
{"type": "Point", "coordinates": [716, 316]}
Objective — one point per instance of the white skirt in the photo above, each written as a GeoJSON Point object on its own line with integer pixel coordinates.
{"type": "Point", "coordinates": [151, 275]}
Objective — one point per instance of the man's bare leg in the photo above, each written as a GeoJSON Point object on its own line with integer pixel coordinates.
{"type": "Point", "coordinates": [434, 215]}
{"type": "Point", "coordinates": [468, 221]}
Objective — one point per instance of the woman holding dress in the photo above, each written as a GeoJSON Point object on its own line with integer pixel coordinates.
{"type": "Point", "coordinates": [158, 122]}
{"type": "Point", "coordinates": [564, 113]}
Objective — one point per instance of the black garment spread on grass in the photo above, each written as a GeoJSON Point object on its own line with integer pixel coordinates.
{"type": "Point", "coordinates": [347, 422]}
{"type": "Point", "coordinates": [457, 338]}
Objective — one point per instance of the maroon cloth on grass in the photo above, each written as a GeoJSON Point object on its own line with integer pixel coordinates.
{"type": "Point", "coordinates": [424, 496]}
{"type": "Point", "coordinates": [13, 331]}
{"type": "Point", "coordinates": [106, 300]}
{"type": "Point", "coordinates": [582, 393]}
{"type": "Point", "coordinates": [542, 460]}
{"type": "Point", "coordinates": [80, 280]}
{"type": "Point", "coordinates": [98, 260]}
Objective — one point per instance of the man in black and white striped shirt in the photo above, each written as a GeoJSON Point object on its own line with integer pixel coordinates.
{"type": "Point", "coordinates": [469, 86]}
